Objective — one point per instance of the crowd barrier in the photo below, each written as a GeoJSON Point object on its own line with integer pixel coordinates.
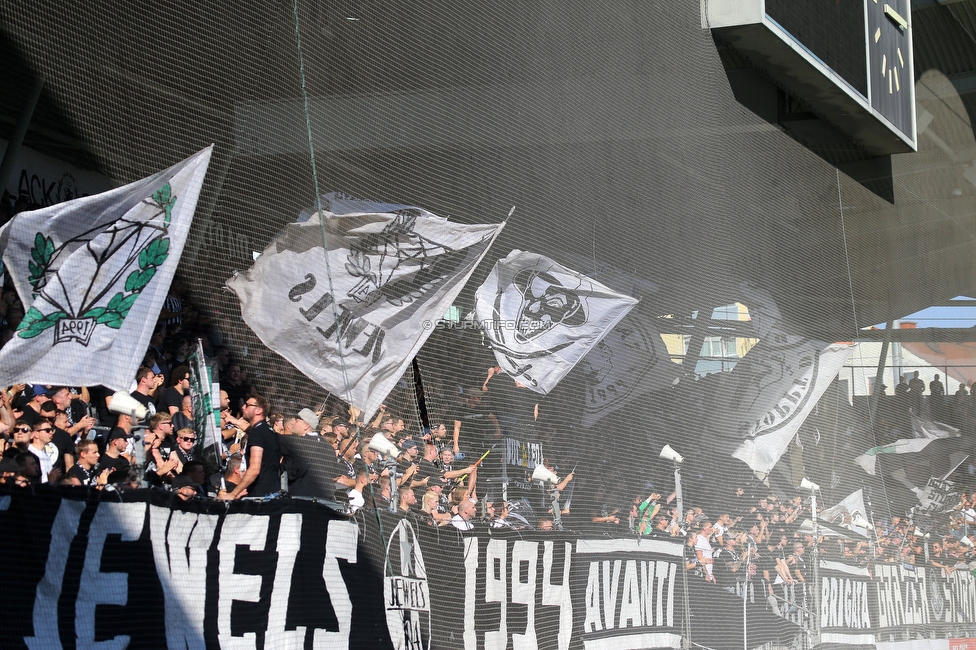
{"type": "Point", "coordinates": [861, 606]}
{"type": "Point", "coordinates": [143, 569]}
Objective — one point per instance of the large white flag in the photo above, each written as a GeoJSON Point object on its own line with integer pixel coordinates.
{"type": "Point", "coordinates": [95, 272]}
{"type": "Point", "coordinates": [625, 365]}
{"type": "Point", "coordinates": [542, 318]}
{"type": "Point", "coordinates": [771, 392]}
{"type": "Point", "coordinates": [354, 317]}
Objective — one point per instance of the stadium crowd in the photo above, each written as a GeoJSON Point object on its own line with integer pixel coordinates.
{"type": "Point", "coordinates": [69, 436]}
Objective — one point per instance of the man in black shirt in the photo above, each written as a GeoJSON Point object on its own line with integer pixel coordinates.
{"type": "Point", "coordinates": [172, 400]}
{"type": "Point", "coordinates": [112, 459]}
{"type": "Point", "coordinates": [263, 475]}
{"type": "Point", "coordinates": [32, 411]}
{"type": "Point", "coordinates": [86, 469]}
{"type": "Point", "coordinates": [146, 384]}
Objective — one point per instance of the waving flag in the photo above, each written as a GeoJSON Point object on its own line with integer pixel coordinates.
{"type": "Point", "coordinates": [353, 317]}
{"type": "Point", "coordinates": [761, 404]}
{"type": "Point", "coordinates": [925, 433]}
{"type": "Point", "coordinates": [542, 318]}
{"type": "Point", "coordinates": [95, 272]}
{"type": "Point", "coordinates": [625, 365]}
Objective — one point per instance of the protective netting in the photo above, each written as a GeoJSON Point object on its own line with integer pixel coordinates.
{"type": "Point", "coordinates": [613, 130]}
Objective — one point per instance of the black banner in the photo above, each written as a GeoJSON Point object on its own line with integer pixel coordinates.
{"type": "Point", "coordinates": [144, 569]}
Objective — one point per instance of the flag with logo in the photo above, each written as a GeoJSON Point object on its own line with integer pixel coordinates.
{"type": "Point", "coordinates": [626, 364]}
{"type": "Point", "coordinates": [761, 404]}
{"type": "Point", "coordinates": [94, 272]}
{"type": "Point", "coordinates": [542, 317]}
{"type": "Point", "coordinates": [353, 317]}
{"type": "Point", "coordinates": [924, 433]}
{"type": "Point", "coordinates": [850, 513]}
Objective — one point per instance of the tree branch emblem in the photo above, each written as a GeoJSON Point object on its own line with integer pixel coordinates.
{"type": "Point", "coordinates": [127, 253]}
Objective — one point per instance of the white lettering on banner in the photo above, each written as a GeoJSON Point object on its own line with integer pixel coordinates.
{"type": "Point", "coordinates": [405, 590]}
{"type": "Point", "coordinates": [522, 454]}
{"type": "Point", "coordinates": [525, 553]}
{"type": "Point", "coordinates": [180, 543]}
{"type": "Point", "coordinates": [648, 595]}
{"type": "Point", "coordinates": [96, 587]}
{"type": "Point", "coordinates": [902, 596]}
{"type": "Point", "coordinates": [289, 541]}
{"type": "Point", "coordinates": [251, 532]}
{"type": "Point", "coordinates": [844, 603]}
{"type": "Point", "coordinates": [961, 596]}
{"type": "Point", "coordinates": [49, 589]}
{"type": "Point", "coordinates": [496, 591]}
{"type": "Point", "coordinates": [471, 551]}
{"type": "Point", "coordinates": [340, 545]}
{"type": "Point", "coordinates": [499, 565]}
{"type": "Point", "coordinates": [558, 595]}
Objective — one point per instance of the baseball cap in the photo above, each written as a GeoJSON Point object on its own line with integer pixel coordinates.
{"type": "Point", "coordinates": [408, 444]}
{"type": "Point", "coordinates": [117, 433]}
{"type": "Point", "coordinates": [40, 389]}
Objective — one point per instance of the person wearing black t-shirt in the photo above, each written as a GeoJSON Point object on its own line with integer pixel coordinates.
{"type": "Point", "coordinates": [172, 399]}
{"type": "Point", "coordinates": [263, 475]}
{"type": "Point", "coordinates": [86, 469]}
{"type": "Point", "coordinates": [112, 459]}
{"type": "Point", "coordinates": [32, 410]}
{"type": "Point", "coordinates": [184, 417]}
{"type": "Point", "coordinates": [146, 384]}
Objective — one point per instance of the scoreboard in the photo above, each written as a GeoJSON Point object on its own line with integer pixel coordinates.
{"type": "Point", "coordinates": [849, 60]}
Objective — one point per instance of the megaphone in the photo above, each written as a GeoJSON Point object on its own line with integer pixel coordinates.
{"type": "Point", "coordinates": [670, 454]}
{"type": "Point", "coordinates": [542, 474]}
{"type": "Point", "coordinates": [381, 445]}
{"type": "Point", "coordinates": [968, 542]}
{"type": "Point", "coordinates": [807, 484]}
{"type": "Point", "coordinates": [126, 404]}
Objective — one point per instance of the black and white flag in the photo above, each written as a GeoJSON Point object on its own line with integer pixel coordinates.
{"type": "Point", "coordinates": [353, 316]}
{"type": "Point", "coordinates": [628, 363]}
{"type": "Point", "coordinates": [95, 272]}
{"type": "Point", "coordinates": [771, 391]}
{"type": "Point", "coordinates": [542, 318]}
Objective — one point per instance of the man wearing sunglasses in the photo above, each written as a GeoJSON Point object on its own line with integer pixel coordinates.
{"type": "Point", "coordinates": [20, 439]}
{"type": "Point", "coordinates": [186, 439]}
{"type": "Point", "coordinates": [263, 475]}
{"type": "Point", "coordinates": [42, 447]}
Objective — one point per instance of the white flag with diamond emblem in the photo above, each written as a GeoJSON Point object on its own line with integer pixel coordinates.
{"type": "Point", "coordinates": [94, 272]}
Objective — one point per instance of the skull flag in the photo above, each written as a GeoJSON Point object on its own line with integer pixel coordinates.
{"type": "Point", "coordinates": [542, 318]}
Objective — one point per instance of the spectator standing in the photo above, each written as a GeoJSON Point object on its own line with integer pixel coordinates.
{"type": "Point", "coordinates": [466, 512]}
{"type": "Point", "coordinates": [172, 400]}
{"type": "Point", "coordinates": [112, 459]}
{"type": "Point", "coordinates": [703, 550]}
{"type": "Point", "coordinates": [915, 389]}
{"type": "Point", "coordinates": [86, 469]}
{"type": "Point", "coordinates": [937, 400]}
{"type": "Point", "coordinates": [263, 474]}
{"type": "Point", "coordinates": [146, 384]}
{"type": "Point", "coordinates": [42, 447]}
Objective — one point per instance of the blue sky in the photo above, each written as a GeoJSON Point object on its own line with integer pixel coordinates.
{"type": "Point", "coordinates": [942, 316]}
